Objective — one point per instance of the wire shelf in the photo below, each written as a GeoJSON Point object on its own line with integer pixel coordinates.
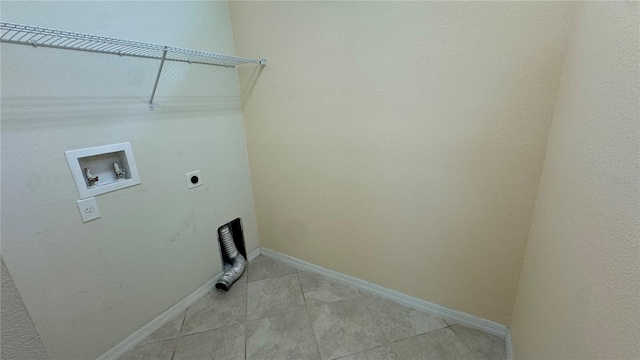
{"type": "Point", "coordinates": [13, 33]}
{"type": "Point", "coordinates": [39, 36]}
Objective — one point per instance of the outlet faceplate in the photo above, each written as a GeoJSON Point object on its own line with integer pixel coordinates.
{"type": "Point", "coordinates": [88, 209]}
{"type": "Point", "coordinates": [193, 179]}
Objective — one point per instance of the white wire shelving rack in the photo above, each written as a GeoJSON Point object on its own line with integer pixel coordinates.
{"type": "Point", "coordinates": [13, 33]}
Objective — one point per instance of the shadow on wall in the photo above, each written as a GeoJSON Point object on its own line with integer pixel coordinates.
{"type": "Point", "coordinates": [46, 112]}
{"type": "Point", "coordinates": [248, 87]}
{"type": "Point", "coordinates": [58, 92]}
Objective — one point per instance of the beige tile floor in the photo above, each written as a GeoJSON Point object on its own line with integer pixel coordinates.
{"type": "Point", "coordinates": [275, 311]}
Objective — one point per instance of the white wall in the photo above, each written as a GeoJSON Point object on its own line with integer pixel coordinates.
{"type": "Point", "coordinates": [579, 292]}
{"type": "Point", "coordinates": [88, 286]}
{"type": "Point", "coordinates": [19, 337]}
{"type": "Point", "coordinates": [402, 142]}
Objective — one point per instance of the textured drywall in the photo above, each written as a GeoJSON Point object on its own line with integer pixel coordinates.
{"type": "Point", "coordinates": [402, 142]}
{"type": "Point", "coordinates": [88, 286]}
{"type": "Point", "coordinates": [19, 337]}
{"type": "Point", "coordinates": [579, 292]}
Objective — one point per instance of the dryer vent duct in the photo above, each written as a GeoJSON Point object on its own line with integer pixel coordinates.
{"type": "Point", "coordinates": [238, 262]}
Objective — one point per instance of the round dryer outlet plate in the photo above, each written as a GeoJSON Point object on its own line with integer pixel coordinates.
{"type": "Point", "coordinates": [193, 179]}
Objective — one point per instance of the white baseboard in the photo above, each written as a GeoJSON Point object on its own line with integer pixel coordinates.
{"type": "Point", "coordinates": [155, 324]}
{"type": "Point", "coordinates": [254, 254]}
{"type": "Point", "coordinates": [437, 310]}
{"type": "Point", "coordinates": [453, 316]}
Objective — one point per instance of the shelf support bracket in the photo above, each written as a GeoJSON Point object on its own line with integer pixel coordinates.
{"type": "Point", "coordinates": [155, 86]}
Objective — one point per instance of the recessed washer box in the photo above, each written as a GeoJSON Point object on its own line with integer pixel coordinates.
{"type": "Point", "coordinates": [100, 164]}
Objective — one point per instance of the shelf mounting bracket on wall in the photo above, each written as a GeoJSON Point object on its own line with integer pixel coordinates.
{"type": "Point", "coordinates": [13, 33]}
{"type": "Point", "coordinates": [155, 86]}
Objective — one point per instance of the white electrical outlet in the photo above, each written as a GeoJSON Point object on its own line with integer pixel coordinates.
{"type": "Point", "coordinates": [88, 209]}
{"type": "Point", "coordinates": [193, 179]}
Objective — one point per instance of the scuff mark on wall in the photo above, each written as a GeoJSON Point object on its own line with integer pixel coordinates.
{"type": "Point", "coordinates": [188, 223]}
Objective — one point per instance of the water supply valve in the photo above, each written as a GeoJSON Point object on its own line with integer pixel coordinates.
{"type": "Point", "coordinates": [92, 179]}
{"type": "Point", "coordinates": [120, 172]}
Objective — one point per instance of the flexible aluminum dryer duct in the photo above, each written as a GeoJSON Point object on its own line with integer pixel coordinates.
{"type": "Point", "coordinates": [238, 263]}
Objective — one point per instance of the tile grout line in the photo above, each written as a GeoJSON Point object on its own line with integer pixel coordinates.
{"type": "Point", "coordinates": [306, 308]}
{"type": "Point", "coordinates": [274, 315]}
{"type": "Point", "coordinates": [360, 293]}
{"type": "Point", "coordinates": [413, 336]}
{"type": "Point", "coordinates": [280, 314]}
{"type": "Point", "coordinates": [442, 312]}
{"type": "Point", "coordinates": [173, 354]}
{"type": "Point", "coordinates": [461, 340]}
{"type": "Point", "coordinates": [360, 352]}
{"type": "Point", "coordinates": [272, 277]}
{"type": "Point", "coordinates": [245, 339]}
{"type": "Point", "coordinates": [294, 272]}
{"type": "Point", "coordinates": [304, 298]}
{"type": "Point", "coordinates": [384, 337]}
{"type": "Point", "coordinates": [221, 327]}
{"type": "Point", "coordinates": [315, 337]}
{"type": "Point", "coordinates": [183, 321]}
{"type": "Point", "coordinates": [424, 333]}
{"type": "Point", "coordinates": [386, 343]}
{"type": "Point", "coordinates": [218, 328]}
{"type": "Point", "coordinates": [180, 334]}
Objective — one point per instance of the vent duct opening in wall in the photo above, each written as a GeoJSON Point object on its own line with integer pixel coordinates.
{"type": "Point", "coordinates": [233, 253]}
